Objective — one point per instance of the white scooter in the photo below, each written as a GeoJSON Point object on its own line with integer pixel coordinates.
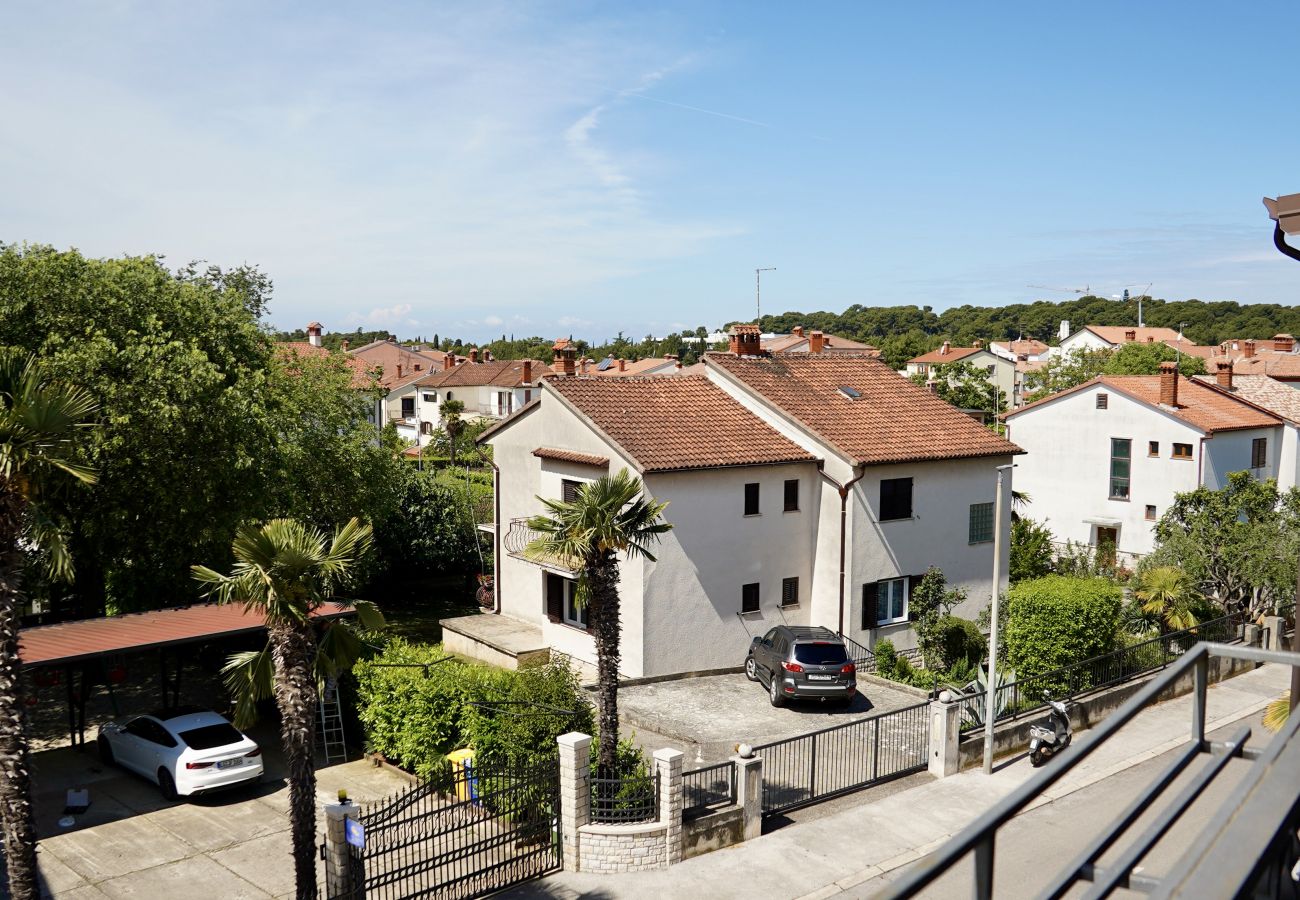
{"type": "Point", "coordinates": [1053, 734]}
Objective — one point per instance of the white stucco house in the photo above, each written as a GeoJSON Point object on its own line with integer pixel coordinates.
{"type": "Point", "coordinates": [802, 488]}
{"type": "Point", "coordinates": [1112, 337]}
{"type": "Point", "coordinates": [1104, 460]}
{"type": "Point", "coordinates": [1281, 398]}
{"type": "Point", "coordinates": [999, 370]}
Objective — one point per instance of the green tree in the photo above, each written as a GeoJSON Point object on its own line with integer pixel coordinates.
{"type": "Point", "coordinates": [1031, 550]}
{"type": "Point", "coordinates": [1068, 370]}
{"type": "Point", "coordinates": [287, 571]}
{"type": "Point", "coordinates": [1168, 594]}
{"type": "Point", "coordinates": [40, 423]}
{"type": "Point", "coordinates": [928, 605]}
{"type": "Point", "coordinates": [1056, 621]}
{"type": "Point", "coordinates": [964, 386]}
{"type": "Point", "coordinates": [609, 517]}
{"type": "Point", "coordinates": [452, 424]}
{"type": "Point", "coordinates": [431, 531]}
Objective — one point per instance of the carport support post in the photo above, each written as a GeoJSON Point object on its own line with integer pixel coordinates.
{"type": "Point", "coordinates": [340, 881]}
{"type": "Point", "coordinates": [668, 765]}
{"type": "Point", "coordinates": [575, 793]}
{"type": "Point", "coordinates": [749, 792]}
{"type": "Point", "coordinates": [945, 736]}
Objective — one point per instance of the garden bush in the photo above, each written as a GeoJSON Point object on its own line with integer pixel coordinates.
{"type": "Point", "coordinates": [958, 640]}
{"type": "Point", "coordinates": [886, 657]}
{"type": "Point", "coordinates": [1057, 621]}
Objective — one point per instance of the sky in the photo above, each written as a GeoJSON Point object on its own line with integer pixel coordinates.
{"type": "Point", "coordinates": [483, 168]}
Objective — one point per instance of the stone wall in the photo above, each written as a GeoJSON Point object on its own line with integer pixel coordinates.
{"type": "Point", "coordinates": [608, 849]}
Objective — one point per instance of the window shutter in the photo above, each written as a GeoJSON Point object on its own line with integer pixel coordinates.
{"type": "Point", "coordinates": [913, 582]}
{"type": "Point", "coordinates": [554, 597]}
{"type": "Point", "coordinates": [870, 592]}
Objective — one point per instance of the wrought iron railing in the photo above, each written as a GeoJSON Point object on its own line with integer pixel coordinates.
{"type": "Point", "coordinates": [520, 535]}
{"type": "Point", "coordinates": [1025, 694]}
{"type": "Point", "coordinates": [711, 787]}
{"type": "Point", "coordinates": [619, 799]}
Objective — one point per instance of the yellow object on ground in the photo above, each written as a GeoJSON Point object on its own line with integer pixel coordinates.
{"type": "Point", "coordinates": [462, 767]}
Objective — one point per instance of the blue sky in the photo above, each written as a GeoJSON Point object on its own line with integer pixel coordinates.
{"type": "Point", "coordinates": [537, 168]}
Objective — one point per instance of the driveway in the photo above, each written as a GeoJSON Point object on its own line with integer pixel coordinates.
{"type": "Point", "coordinates": [132, 843]}
{"type": "Point", "coordinates": [708, 716]}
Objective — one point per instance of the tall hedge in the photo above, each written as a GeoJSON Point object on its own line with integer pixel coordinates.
{"type": "Point", "coordinates": [1057, 620]}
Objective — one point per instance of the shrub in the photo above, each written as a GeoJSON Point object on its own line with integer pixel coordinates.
{"type": "Point", "coordinates": [958, 640]}
{"type": "Point", "coordinates": [904, 671]}
{"type": "Point", "coordinates": [886, 658]}
{"type": "Point", "coordinates": [1031, 550]}
{"type": "Point", "coordinates": [1056, 621]}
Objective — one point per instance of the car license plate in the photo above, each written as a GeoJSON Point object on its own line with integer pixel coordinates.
{"type": "Point", "coordinates": [821, 677]}
{"type": "Point", "coordinates": [229, 763]}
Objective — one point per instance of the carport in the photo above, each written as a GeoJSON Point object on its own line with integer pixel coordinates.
{"type": "Point", "coordinates": [100, 648]}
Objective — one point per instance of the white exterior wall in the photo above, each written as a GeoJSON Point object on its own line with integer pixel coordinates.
{"type": "Point", "coordinates": [1288, 460]}
{"type": "Point", "coordinates": [1004, 371]}
{"type": "Point", "coordinates": [1082, 339]}
{"type": "Point", "coordinates": [1230, 451]}
{"type": "Point", "coordinates": [1066, 471]}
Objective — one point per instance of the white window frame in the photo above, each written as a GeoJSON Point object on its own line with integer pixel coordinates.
{"type": "Point", "coordinates": [574, 617]}
{"type": "Point", "coordinates": [884, 601]}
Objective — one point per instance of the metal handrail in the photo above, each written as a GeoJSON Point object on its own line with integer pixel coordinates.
{"type": "Point", "coordinates": [981, 835]}
{"type": "Point", "coordinates": [700, 787]}
{"type": "Point", "coordinates": [623, 799]}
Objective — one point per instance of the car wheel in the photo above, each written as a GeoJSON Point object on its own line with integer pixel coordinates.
{"type": "Point", "coordinates": [167, 785]}
{"type": "Point", "coordinates": [774, 692]}
{"type": "Point", "coordinates": [751, 669]}
{"type": "Point", "coordinates": [105, 750]}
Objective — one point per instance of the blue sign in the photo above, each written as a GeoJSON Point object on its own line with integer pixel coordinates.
{"type": "Point", "coordinates": [356, 833]}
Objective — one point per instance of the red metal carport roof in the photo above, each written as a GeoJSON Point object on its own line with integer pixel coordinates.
{"type": "Point", "coordinates": [69, 642]}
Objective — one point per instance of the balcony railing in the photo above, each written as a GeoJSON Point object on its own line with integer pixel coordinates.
{"type": "Point", "coordinates": [517, 539]}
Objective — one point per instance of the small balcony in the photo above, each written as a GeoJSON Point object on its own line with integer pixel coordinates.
{"type": "Point", "coordinates": [516, 541]}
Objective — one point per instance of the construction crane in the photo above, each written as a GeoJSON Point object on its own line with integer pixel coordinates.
{"type": "Point", "coordinates": [1055, 290]}
{"type": "Point", "coordinates": [1126, 297]}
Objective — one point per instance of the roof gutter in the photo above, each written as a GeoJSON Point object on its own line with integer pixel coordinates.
{"type": "Point", "coordinates": [843, 490]}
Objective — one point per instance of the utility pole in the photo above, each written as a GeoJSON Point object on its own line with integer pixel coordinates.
{"type": "Point", "coordinates": [991, 683]}
{"type": "Point", "coordinates": [758, 291]}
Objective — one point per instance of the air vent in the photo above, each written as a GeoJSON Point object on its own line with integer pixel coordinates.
{"type": "Point", "coordinates": [849, 393]}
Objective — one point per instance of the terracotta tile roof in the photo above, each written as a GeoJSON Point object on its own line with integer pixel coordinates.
{"type": "Point", "coordinates": [892, 420]}
{"type": "Point", "coordinates": [648, 366]}
{"type": "Point", "coordinates": [1275, 365]}
{"type": "Point", "coordinates": [784, 343]}
{"type": "Point", "coordinates": [498, 372]}
{"type": "Point", "coordinates": [389, 356]}
{"type": "Point", "coordinates": [1202, 407]}
{"type": "Point", "coordinates": [952, 355]}
{"type": "Point", "coordinates": [1027, 346]}
{"type": "Point", "coordinates": [673, 422]}
{"type": "Point", "coordinates": [571, 456]}
{"type": "Point", "coordinates": [1197, 350]}
{"type": "Point", "coordinates": [1261, 390]}
{"type": "Point", "coordinates": [745, 329]}
{"type": "Point", "coordinates": [363, 376]}
{"type": "Point", "coordinates": [1118, 334]}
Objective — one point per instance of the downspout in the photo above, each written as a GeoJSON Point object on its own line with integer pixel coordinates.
{"type": "Point", "coordinates": [1200, 464]}
{"type": "Point", "coordinates": [496, 538]}
{"type": "Point", "coordinates": [843, 490]}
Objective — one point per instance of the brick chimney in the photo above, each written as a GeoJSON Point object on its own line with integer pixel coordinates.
{"type": "Point", "coordinates": [528, 372]}
{"type": "Point", "coordinates": [1224, 375]}
{"type": "Point", "coordinates": [1169, 384]}
{"type": "Point", "coordinates": [816, 342]}
{"type": "Point", "coordinates": [313, 333]}
{"type": "Point", "coordinates": [1249, 349]}
{"type": "Point", "coordinates": [798, 331]}
{"type": "Point", "coordinates": [978, 344]}
{"type": "Point", "coordinates": [943, 351]}
{"type": "Point", "coordinates": [582, 366]}
{"type": "Point", "coordinates": [622, 365]}
{"type": "Point", "coordinates": [1283, 343]}
{"type": "Point", "coordinates": [1130, 335]}
{"type": "Point", "coordinates": [347, 345]}
{"type": "Point", "coordinates": [448, 361]}
{"type": "Point", "coordinates": [564, 356]}
{"type": "Point", "coordinates": [392, 339]}
{"type": "Point", "coordinates": [399, 370]}
{"type": "Point", "coordinates": [746, 340]}
{"type": "Point", "coordinates": [473, 354]}
{"type": "Point", "coordinates": [487, 355]}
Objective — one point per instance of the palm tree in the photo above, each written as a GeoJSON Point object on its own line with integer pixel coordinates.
{"type": "Point", "coordinates": [452, 423]}
{"type": "Point", "coordinates": [609, 516]}
{"type": "Point", "coordinates": [286, 570]}
{"type": "Point", "coordinates": [1168, 593]}
{"type": "Point", "coordinates": [39, 420]}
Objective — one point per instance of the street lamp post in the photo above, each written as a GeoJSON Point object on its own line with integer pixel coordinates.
{"type": "Point", "coordinates": [991, 693]}
{"type": "Point", "coordinates": [758, 290]}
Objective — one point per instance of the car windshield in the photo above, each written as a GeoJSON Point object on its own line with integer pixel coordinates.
{"type": "Point", "coordinates": [823, 653]}
{"type": "Point", "coordinates": [209, 736]}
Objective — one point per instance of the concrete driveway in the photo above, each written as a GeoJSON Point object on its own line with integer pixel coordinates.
{"type": "Point", "coordinates": [711, 714]}
{"type": "Point", "coordinates": [132, 843]}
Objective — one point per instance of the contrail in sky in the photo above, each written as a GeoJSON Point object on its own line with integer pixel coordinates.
{"type": "Point", "coordinates": [707, 112]}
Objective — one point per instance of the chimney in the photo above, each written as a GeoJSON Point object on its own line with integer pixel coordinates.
{"type": "Point", "coordinates": [943, 351]}
{"type": "Point", "coordinates": [798, 331]}
{"type": "Point", "coordinates": [347, 345]}
{"type": "Point", "coordinates": [746, 340]}
{"type": "Point", "coordinates": [313, 333]}
{"type": "Point", "coordinates": [1064, 331]}
{"type": "Point", "coordinates": [392, 339]}
{"type": "Point", "coordinates": [932, 386]}
{"type": "Point", "coordinates": [564, 356]}
{"type": "Point", "coordinates": [473, 354]}
{"type": "Point", "coordinates": [816, 341]}
{"type": "Point", "coordinates": [448, 361]}
{"type": "Point", "coordinates": [1283, 343]}
{"type": "Point", "coordinates": [582, 366]}
{"type": "Point", "coordinates": [622, 365]}
{"type": "Point", "coordinates": [1224, 375]}
{"type": "Point", "coordinates": [487, 355]}
{"type": "Point", "coordinates": [528, 371]}
{"type": "Point", "coordinates": [1169, 384]}
{"type": "Point", "coordinates": [1249, 349]}
{"type": "Point", "coordinates": [1130, 335]}
{"type": "Point", "coordinates": [979, 345]}
{"type": "Point", "coordinates": [399, 370]}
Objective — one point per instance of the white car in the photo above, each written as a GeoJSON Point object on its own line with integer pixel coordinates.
{"type": "Point", "coordinates": [185, 750]}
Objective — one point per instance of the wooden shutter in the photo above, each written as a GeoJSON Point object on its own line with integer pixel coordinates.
{"type": "Point", "coordinates": [569, 489]}
{"type": "Point", "coordinates": [913, 582]}
{"type": "Point", "coordinates": [554, 597]}
{"type": "Point", "coordinates": [870, 611]}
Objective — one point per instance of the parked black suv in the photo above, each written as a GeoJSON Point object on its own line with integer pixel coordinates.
{"type": "Point", "coordinates": [799, 661]}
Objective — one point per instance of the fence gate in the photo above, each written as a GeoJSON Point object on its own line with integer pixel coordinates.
{"type": "Point", "coordinates": [464, 835]}
{"type": "Point", "coordinates": [823, 764]}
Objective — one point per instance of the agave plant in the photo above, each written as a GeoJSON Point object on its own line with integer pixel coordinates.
{"type": "Point", "coordinates": [972, 696]}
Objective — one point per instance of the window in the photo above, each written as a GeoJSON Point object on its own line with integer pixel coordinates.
{"type": "Point", "coordinates": [989, 369]}
{"type": "Point", "coordinates": [569, 490]}
{"type": "Point", "coordinates": [1151, 512]}
{"type": "Point", "coordinates": [449, 395]}
{"type": "Point", "coordinates": [528, 396]}
{"type": "Point", "coordinates": [430, 398]}
{"type": "Point", "coordinates": [1259, 453]}
{"type": "Point", "coordinates": [751, 499]}
{"type": "Point", "coordinates": [1103, 401]}
{"type": "Point", "coordinates": [884, 602]}
{"type": "Point", "coordinates": [895, 498]}
{"type": "Point", "coordinates": [1153, 448]}
{"type": "Point", "coordinates": [749, 598]}
{"type": "Point", "coordinates": [573, 614]}
{"type": "Point", "coordinates": [1182, 451]}
{"type": "Point", "coordinates": [408, 407]}
{"type": "Point", "coordinates": [790, 592]}
{"type": "Point", "coordinates": [981, 523]}
{"type": "Point", "coordinates": [1120, 463]}
{"type": "Point", "coordinates": [426, 428]}
{"type": "Point", "coordinates": [562, 601]}
{"type": "Point", "coordinates": [820, 653]}
{"type": "Point", "coordinates": [792, 495]}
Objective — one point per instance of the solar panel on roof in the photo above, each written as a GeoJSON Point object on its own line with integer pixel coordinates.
{"type": "Point", "coordinates": [849, 392]}
{"type": "Point", "coordinates": [606, 363]}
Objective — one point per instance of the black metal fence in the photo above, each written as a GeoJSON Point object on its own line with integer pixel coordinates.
{"type": "Point", "coordinates": [711, 787]}
{"type": "Point", "coordinates": [623, 799]}
{"type": "Point", "coordinates": [811, 767]}
{"type": "Point", "coordinates": [1024, 695]}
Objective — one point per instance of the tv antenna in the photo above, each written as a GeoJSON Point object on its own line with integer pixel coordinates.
{"type": "Point", "coordinates": [758, 290]}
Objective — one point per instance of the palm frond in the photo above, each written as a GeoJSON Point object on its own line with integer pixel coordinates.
{"type": "Point", "coordinates": [250, 678]}
{"type": "Point", "coordinates": [1277, 712]}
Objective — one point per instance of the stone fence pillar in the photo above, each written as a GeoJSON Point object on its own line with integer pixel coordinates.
{"type": "Point", "coordinates": [1273, 626]}
{"type": "Point", "coordinates": [945, 736]}
{"type": "Point", "coordinates": [575, 793]}
{"type": "Point", "coordinates": [668, 763]}
{"type": "Point", "coordinates": [749, 792]}
{"type": "Point", "coordinates": [342, 882]}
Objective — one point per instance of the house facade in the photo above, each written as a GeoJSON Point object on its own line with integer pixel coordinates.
{"type": "Point", "coordinates": [1104, 460]}
{"type": "Point", "coordinates": [802, 489]}
{"type": "Point", "coordinates": [999, 370]}
{"type": "Point", "coordinates": [488, 388]}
